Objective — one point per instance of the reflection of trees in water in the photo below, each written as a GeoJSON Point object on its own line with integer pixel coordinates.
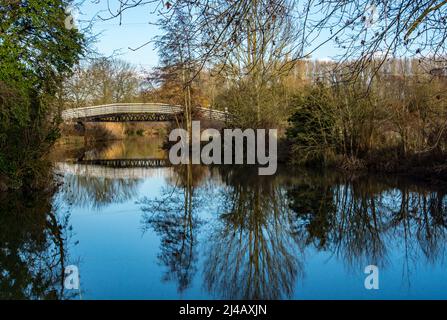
{"type": "Point", "coordinates": [33, 242]}
{"type": "Point", "coordinates": [130, 148]}
{"type": "Point", "coordinates": [97, 192]}
{"type": "Point", "coordinates": [173, 216]}
{"type": "Point", "coordinates": [418, 220]}
{"type": "Point", "coordinates": [143, 147]}
{"type": "Point", "coordinates": [360, 220]}
{"type": "Point", "coordinates": [332, 218]}
{"type": "Point", "coordinates": [252, 252]}
{"type": "Point", "coordinates": [253, 248]}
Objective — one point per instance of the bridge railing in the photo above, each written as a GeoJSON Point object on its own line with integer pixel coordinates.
{"type": "Point", "coordinates": [213, 114]}
{"type": "Point", "coordinates": [111, 109]}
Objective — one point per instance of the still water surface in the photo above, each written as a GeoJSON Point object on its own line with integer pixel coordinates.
{"type": "Point", "coordinates": [143, 230]}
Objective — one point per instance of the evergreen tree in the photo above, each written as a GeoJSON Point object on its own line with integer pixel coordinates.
{"type": "Point", "coordinates": [37, 51]}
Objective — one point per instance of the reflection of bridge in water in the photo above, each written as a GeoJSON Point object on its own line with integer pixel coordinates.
{"type": "Point", "coordinates": [128, 163]}
{"type": "Point", "coordinates": [116, 169]}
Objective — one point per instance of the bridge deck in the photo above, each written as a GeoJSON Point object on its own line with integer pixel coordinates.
{"type": "Point", "coordinates": [137, 112]}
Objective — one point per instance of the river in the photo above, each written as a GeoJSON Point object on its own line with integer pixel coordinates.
{"type": "Point", "coordinates": [138, 229]}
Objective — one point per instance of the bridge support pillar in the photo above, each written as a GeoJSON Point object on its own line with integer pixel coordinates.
{"type": "Point", "coordinates": [80, 126]}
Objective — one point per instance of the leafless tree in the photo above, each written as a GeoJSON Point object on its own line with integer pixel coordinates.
{"type": "Point", "coordinates": [363, 30]}
{"type": "Point", "coordinates": [101, 82]}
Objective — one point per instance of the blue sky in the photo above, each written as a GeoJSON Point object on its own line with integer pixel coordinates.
{"type": "Point", "coordinates": [135, 30]}
{"type": "Point", "coordinates": [113, 38]}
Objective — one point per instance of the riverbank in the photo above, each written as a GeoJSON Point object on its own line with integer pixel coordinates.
{"type": "Point", "coordinates": [427, 166]}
